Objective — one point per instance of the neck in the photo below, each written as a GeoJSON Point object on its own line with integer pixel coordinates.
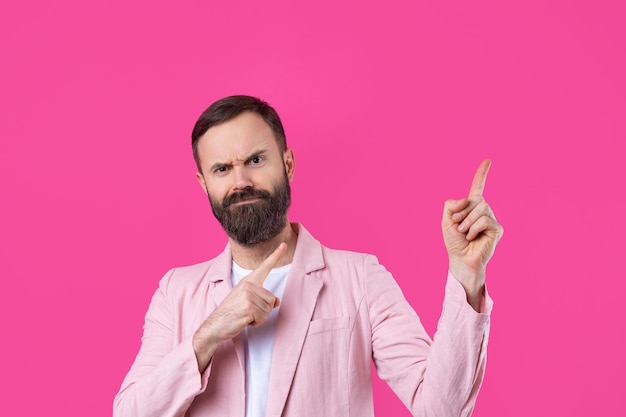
{"type": "Point", "coordinates": [250, 257]}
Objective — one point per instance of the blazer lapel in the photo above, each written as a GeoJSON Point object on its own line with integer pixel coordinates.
{"type": "Point", "coordinates": [296, 310]}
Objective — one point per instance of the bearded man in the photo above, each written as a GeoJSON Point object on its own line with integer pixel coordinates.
{"type": "Point", "coordinates": [279, 325]}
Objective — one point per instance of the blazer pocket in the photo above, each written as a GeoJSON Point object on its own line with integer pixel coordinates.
{"type": "Point", "coordinates": [328, 325]}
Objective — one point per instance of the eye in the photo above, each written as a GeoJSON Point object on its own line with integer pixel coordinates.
{"type": "Point", "coordinates": [220, 170]}
{"type": "Point", "coordinates": [256, 160]}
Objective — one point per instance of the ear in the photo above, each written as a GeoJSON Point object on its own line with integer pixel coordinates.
{"type": "Point", "coordinates": [200, 178]}
{"type": "Point", "coordinates": [290, 163]}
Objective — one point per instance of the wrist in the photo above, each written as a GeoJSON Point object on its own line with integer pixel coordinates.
{"type": "Point", "coordinates": [472, 281]}
{"type": "Point", "coordinates": [206, 336]}
{"type": "Point", "coordinates": [204, 343]}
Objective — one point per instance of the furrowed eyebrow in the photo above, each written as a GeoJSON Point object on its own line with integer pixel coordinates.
{"type": "Point", "coordinates": [253, 155]}
{"type": "Point", "coordinates": [256, 155]}
{"type": "Point", "coordinates": [219, 165]}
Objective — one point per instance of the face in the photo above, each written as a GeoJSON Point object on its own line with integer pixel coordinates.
{"type": "Point", "coordinates": [246, 178]}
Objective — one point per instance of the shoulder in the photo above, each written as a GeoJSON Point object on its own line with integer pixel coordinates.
{"type": "Point", "coordinates": [315, 255]}
{"type": "Point", "coordinates": [362, 266]}
{"type": "Point", "coordinates": [191, 278]}
{"type": "Point", "coordinates": [344, 257]}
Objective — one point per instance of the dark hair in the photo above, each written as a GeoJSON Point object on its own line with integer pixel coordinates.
{"type": "Point", "coordinates": [229, 108]}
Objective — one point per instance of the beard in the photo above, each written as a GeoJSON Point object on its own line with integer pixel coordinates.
{"type": "Point", "coordinates": [256, 222]}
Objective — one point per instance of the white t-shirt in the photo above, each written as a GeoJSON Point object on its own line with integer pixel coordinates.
{"type": "Point", "coordinates": [259, 341]}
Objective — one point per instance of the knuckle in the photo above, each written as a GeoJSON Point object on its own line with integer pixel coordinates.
{"type": "Point", "coordinates": [475, 200]}
{"type": "Point", "coordinates": [247, 319]}
{"type": "Point", "coordinates": [259, 319]}
{"type": "Point", "coordinates": [247, 306]}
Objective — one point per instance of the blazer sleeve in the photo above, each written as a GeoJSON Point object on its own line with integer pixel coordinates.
{"type": "Point", "coordinates": [432, 378]}
{"type": "Point", "coordinates": [164, 379]}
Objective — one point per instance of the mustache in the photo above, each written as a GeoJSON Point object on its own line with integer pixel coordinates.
{"type": "Point", "coordinates": [245, 194]}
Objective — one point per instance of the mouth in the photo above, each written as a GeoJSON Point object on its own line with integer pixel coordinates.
{"type": "Point", "coordinates": [246, 201]}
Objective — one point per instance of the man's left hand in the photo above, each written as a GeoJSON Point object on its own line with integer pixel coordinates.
{"type": "Point", "coordinates": [471, 233]}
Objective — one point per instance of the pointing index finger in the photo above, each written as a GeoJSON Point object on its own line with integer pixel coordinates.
{"type": "Point", "coordinates": [263, 270]}
{"type": "Point", "coordinates": [480, 177]}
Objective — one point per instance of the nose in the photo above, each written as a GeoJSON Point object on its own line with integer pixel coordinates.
{"type": "Point", "coordinates": [242, 178]}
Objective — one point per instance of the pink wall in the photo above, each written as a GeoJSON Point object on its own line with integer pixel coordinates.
{"type": "Point", "coordinates": [389, 106]}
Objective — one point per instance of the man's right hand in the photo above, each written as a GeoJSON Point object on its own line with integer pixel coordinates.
{"type": "Point", "coordinates": [247, 304]}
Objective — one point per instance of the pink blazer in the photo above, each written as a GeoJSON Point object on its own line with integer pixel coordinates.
{"type": "Point", "coordinates": [339, 311]}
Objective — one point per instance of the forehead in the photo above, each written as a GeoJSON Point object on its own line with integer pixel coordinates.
{"type": "Point", "coordinates": [236, 139]}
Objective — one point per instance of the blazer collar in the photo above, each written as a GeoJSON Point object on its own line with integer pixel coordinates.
{"type": "Point", "coordinates": [222, 265]}
{"type": "Point", "coordinates": [307, 257]}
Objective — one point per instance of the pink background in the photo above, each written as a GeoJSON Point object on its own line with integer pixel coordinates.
{"type": "Point", "coordinates": [390, 106]}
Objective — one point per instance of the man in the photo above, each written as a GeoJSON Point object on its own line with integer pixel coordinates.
{"type": "Point", "coordinates": [279, 324]}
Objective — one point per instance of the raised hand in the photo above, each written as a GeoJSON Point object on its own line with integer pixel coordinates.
{"type": "Point", "coordinates": [249, 303]}
{"type": "Point", "coordinates": [471, 233]}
